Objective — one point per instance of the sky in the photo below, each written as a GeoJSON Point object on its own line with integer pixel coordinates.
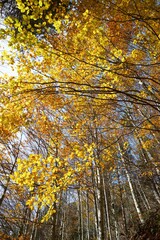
{"type": "Point", "coordinates": [4, 68]}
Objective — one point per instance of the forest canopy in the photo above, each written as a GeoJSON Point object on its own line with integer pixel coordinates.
{"type": "Point", "coordinates": [80, 119]}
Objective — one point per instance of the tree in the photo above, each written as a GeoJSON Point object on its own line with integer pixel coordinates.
{"type": "Point", "coordinates": [86, 101]}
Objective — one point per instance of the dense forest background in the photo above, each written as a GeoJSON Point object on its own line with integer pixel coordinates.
{"type": "Point", "coordinates": [80, 120]}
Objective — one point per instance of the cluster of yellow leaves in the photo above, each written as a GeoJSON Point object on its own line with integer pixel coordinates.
{"type": "Point", "coordinates": [46, 178]}
{"type": "Point", "coordinates": [35, 16]}
{"type": "Point", "coordinates": [15, 111]}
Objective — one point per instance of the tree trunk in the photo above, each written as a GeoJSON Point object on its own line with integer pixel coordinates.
{"type": "Point", "coordinates": [138, 210]}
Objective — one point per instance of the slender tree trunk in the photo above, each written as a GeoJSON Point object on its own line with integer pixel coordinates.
{"type": "Point", "coordinates": [63, 225]}
{"type": "Point", "coordinates": [142, 194]}
{"type": "Point", "coordinates": [100, 204]}
{"type": "Point", "coordinates": [80, 208]}
{"type": "Point", "coordinates": [122, 206]}
{"type": "Point", "coordinates": [106, 201]}
{"type": "Point", "coordinates": [114, 214]}
{"type": "Point", "coordinates": [94, 181]}
{"type": "Point", "coordinates": [34, 227]}
{"type": "Point", "coordinates": [87, 217]}
{"type": "Point", "coordinates": [134, 197]}
{"type": "Point", "coordinates": [138, 210]}
{"type": "Point", "coordinates": [54, 220]}
{"type": "Point", "coordinates": [155, 193]}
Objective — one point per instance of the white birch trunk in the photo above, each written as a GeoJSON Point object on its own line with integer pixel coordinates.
{"type": "Point", "coordinates": [131, 188]}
